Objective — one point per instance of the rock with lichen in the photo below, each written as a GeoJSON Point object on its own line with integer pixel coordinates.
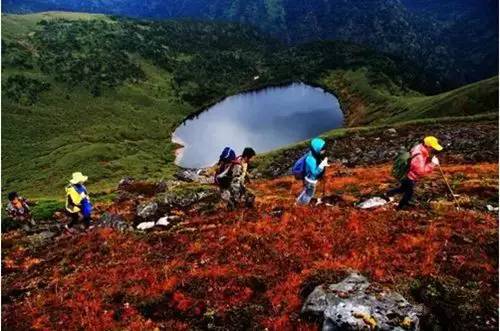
{"type": "Point", "coordinates": [355, 304]}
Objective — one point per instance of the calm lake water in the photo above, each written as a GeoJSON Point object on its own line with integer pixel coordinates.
{"type": "Point", "coordinates": [265, 120]}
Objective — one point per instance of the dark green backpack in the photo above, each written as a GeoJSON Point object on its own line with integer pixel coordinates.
{"type": "Point", "coordinates": [401, 164]}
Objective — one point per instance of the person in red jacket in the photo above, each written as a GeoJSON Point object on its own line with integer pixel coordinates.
{"type": "Point", "coordinates": [422, 163]}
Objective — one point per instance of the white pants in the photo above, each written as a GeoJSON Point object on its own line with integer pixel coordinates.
{"type": "Point", "coordinates": [308, 192]}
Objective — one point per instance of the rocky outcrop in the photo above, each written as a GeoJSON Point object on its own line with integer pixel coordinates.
{"type": "Point", "coordinates": [202, 176]}
{"type": "Point", "coordinates": [463, 143]}
{"type": "Point", "coordinates": [355, 304]}
{"type": "Point", "coordinates": [147, 210]}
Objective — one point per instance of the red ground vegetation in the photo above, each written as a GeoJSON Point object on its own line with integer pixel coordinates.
{"type": "Point", "coordinates": [252, 268]}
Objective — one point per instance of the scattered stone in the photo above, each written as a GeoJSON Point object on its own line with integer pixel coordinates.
{"type": "Point", "coordinates": [195, 175]}
{"type": "Point", "coordinates": [391, 131]}
{"type": "Point", "coordinates": [40, 239]}
{"type": "Point", "coordinates": [165, 221]}
{"type": "Point", "coordinates": [174, 200]}
{"type": "Point", "coordinates": [355, 304]}
{"type": "Point", "coordinates": [109, 220]}
{"type": "Point", "coordinates": [372, 203]}
{"type": "Point", "coordinates": [491, 208]}
{"type": "Point", "coordinates": [145, 225]}
{"type": "Point", "coordinates": [147, 210]}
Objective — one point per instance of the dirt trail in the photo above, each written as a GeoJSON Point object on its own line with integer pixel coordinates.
{"type": "Point", "coordinates": [251, 269]}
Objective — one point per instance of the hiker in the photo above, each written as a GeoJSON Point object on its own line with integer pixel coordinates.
{"type": "Point", "coordinates": [410, 167]}
{"type": "Point", "coordinates": [232, 176]}
{"type": "Point", "coordinates": [18, 210]}
{"type": "Point", "coordinates": [311, 168]}
{"type": "Point", "coordinates": [78, 201]}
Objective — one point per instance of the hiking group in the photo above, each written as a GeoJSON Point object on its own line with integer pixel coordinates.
{"type": "Point", "coordinates": [408, 168]}
{"type": "Point", "coordinates": [231, 176]}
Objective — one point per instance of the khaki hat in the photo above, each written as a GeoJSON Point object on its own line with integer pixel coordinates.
{"type": "Point", "coordinates": [78, 177]}
{"type": "Point", "coordinates": [432, 141]}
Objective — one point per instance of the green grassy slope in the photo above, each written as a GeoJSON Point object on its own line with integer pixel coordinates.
{"type": "Point", "coordinates": [16, 26]}
{"type": "Point", "coordinates": [99, 95]}
{"type": "Point", "coordinates": [124, 133]}
{"type": "Point", "coordinates": [378, 100]}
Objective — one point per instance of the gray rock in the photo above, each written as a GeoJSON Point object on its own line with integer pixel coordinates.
{"type": "Point", "coordinates": [391, 131]}
{"type": "Point", "coordinates": [40, 239]}
{"type": "Point", "coordinates": [355, 304]}
{"type": "Point", "coordinates": [194, 175]}
{"type": "Point", "coordinates": [147, 210]}
{"type": "Point", "coordinates": [114, 221]}
{"type": "Point", "coordinates": [185, 200]}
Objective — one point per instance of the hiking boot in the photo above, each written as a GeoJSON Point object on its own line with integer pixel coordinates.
{"type": "Point", "coordinates": [388, 198]}
{"type": "Point", "coordinates": [405, 207]}
{"type": "Point", "coordinates": [69, 230]}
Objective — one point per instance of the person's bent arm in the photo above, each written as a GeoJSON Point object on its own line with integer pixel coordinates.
{"type": "Point", "coordinates": [75, 196]}
{"type": "Point", "coordinates": [420, 166]}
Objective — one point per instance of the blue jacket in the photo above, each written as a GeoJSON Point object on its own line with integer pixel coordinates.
{"type": "Point", "coordinates": [312, 170]}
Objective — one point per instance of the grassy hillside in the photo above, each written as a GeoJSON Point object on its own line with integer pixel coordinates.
{"type": "Point", "coordinates": [377, 100]}
{"type": "Point", "coordinates": [70, 107]}
{"type": "Point", "coordinates": [102, 95]}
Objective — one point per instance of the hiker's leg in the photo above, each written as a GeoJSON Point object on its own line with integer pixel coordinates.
{"type": "Point", "coordinates": [74, 218]}
{"type": "Point", "coordinates": [226, 197]}
{"type": "Point", "coordinates": [249, 199]}
{"type": "Point", "coordinates": [224, 194]}
{"type": "Point", "coordinates": [397, 190]}
{"type": "Point", "coordinates": [307, 193]}
{"type": "Point", "coordinates": [86, 220]}
{"type": "Point", "coordinates": [408, 186]}
{"type": "Point", "coordinates": [237, 192]}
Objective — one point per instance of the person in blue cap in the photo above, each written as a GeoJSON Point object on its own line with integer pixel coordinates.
{"type": "Point", "coordinates": [315, 164]}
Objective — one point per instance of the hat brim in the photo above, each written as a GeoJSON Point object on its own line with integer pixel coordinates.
{"type": "Point", "coordinates": [79, 180]}
{"type": "Point", "coordinates": [437, 147]}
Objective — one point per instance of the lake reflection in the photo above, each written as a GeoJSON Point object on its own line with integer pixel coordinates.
{"type": "Point", "coordinates": [265, 120]}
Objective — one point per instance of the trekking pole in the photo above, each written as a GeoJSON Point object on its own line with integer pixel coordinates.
{"type": "Point", "coordinates": [320, 200]}
{"type": "Point", "coordinates": [448, 185]}
{"type": "Point", "coordinates": [324, 184]}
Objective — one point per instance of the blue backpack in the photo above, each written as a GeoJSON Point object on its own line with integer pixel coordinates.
{"type": "Point", "coordinates": [299, 168]}
{"type": "Point", "coordinates": [223, 173]}
{"type": "Point", "coordinates": [227, 155]}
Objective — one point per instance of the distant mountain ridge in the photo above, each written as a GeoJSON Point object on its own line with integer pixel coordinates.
{"type": "Point", "coordinates": [456, 39]}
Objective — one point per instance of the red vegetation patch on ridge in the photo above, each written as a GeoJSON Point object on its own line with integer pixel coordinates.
{"type": "Point", "coordinates": [249, 268]}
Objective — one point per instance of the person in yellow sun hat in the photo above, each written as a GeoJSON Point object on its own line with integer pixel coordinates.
{"type": "Point", "coordinates": [77, 200]}
{"type": "Point", "coordinates": [421, 162]}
